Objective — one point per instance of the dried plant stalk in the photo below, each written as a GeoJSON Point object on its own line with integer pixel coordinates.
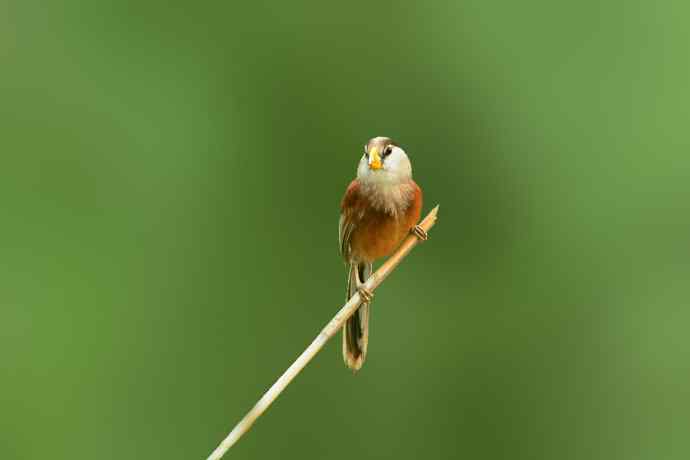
{"type": "Point", "coordinates": [329, 331]}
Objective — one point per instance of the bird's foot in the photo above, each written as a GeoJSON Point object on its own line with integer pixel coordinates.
{"type": "Point", "coordinates": [419, 232]}
{"type": "Point", "coordinates": [365, 294]}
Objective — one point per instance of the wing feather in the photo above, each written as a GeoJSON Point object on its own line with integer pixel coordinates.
{"type": "Point", "coordinates": [346, 225]}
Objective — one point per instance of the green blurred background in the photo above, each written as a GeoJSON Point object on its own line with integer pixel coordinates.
{"type": "Point", "coordinates": [169, 191]}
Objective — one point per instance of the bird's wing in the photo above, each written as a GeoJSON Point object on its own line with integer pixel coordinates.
{"type": "Point", "coordinates": [346, 224]}
{"type": "Point", "coordinates": [414, 211]}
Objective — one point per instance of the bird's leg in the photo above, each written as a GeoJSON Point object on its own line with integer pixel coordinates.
{"type": "Point", "coordinates": [419, 232]}
{"type": "Point", "coordinates": [364, 293]}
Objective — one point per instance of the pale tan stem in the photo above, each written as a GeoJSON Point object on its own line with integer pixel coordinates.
{"type": "Point", "coordinates": [329, 331]}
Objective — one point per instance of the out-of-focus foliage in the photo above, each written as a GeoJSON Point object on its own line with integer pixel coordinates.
{"type": "Point", "coordinates": [169, 189]}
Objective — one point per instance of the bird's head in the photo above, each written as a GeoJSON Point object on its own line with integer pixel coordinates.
{"type": "Point", "coordinates": [384, 162]}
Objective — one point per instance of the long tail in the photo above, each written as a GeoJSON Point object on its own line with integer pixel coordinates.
{"type": "Point", "coordinates": [356, 329]}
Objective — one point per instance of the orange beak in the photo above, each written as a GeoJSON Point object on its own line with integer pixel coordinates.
{"type": "Point", "coordinates": [375, 159]}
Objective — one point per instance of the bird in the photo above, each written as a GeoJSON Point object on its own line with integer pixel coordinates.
{"type": "Point", "coordinates": [380, 208]}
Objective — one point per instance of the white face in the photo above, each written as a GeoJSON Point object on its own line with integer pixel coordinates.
{"type": "Point", "coordinates": [395, 167]}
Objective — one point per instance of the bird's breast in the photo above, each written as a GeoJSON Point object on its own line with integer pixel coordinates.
{"type": "Point", "coordinates": [376, 235]}
{"type": "Point", "coordinates": [379, 229]}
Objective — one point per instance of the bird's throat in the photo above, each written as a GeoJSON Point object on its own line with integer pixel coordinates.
{"type": "Point", "coordinates": [392, 198]}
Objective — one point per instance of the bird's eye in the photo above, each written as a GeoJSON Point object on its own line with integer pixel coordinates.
{"type": "Point", "coordinates": [366, 154]}
{"type": "Point", "coordinates": [387, 151]}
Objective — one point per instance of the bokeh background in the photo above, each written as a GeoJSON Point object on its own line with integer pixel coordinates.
{"type": "Point", "coordinates": [169, 189]}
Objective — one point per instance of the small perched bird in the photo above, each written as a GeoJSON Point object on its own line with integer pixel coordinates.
{"type": "Point", "coordinates": [380, 208]}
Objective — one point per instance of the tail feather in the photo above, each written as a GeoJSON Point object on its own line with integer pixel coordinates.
{"type": "Point", "coordinates": [356, 329]}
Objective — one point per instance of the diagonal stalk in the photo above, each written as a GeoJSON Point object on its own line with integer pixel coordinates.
{"type": "Point", "coordinates": [329, 331]}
